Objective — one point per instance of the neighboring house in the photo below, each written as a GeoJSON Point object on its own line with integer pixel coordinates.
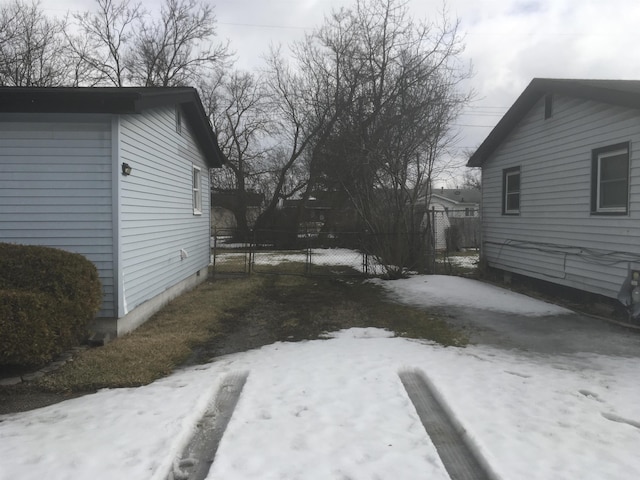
{"type": "Point", "coordinates": [454, 208]}
{"type": "Point", "coordinates": [561, 185]}
{"type": "Point", "coordinates": [329, 212]}
{"type": "Point", "coordinates": [315, 213]}
{"type": "Point", "coordinates": [119, 175]}
{"type": "Point", "coordinates": [456, 202]}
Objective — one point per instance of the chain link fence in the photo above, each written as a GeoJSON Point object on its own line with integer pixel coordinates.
{"type": "Point", "coordinates": [284, 252]}
{"type": "Point", "coordinates": [313, 252]}
{"type": "Point", "coordinates": [229, 253]}
{"type": "Point", "coordinates": [456, 238]}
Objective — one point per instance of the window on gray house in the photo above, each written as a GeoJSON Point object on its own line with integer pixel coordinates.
{"type": "Point", "coordinates": [511, 191]}
{"type": "Point", "coordinates": [610, 180]}
{"type": "Point", "coordinates": [197, 191]}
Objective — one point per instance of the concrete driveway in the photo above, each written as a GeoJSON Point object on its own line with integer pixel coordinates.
{"type": "Point", "coordinates": [551, 334]}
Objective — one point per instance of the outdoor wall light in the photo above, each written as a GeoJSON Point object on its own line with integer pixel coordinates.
{"type": "Point", "coordinates": [126, 169]}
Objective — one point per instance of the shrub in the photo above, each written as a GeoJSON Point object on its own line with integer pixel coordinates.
{"type": "Point", "coordinates": [47, 298]}
{"type": "Point", "coordinates": [26, 327]}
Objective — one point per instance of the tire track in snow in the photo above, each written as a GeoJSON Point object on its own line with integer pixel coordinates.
{"type": "Point", "coordinates": [198, 456]}
{"type": "Point", "coordinates": [459, 456]}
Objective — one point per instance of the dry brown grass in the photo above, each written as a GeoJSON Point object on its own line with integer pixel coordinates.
{"type": "Point", "coordinates": [242, 313]}
{"type": "Point", "coordinates": [158, 346]}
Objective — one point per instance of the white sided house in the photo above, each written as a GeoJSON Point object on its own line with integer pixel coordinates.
{"type": "Point", "coordinates": [119, 175]}
{"type": "Point", "coordinates": [456, 202]}
{"type": "Point", "coordinates": [561, 185]}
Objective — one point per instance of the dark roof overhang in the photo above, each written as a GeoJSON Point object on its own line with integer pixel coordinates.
{"type": "Point", "coordinates": [116, 100]}
{"type": "Point", "coordinates": [624, 93]}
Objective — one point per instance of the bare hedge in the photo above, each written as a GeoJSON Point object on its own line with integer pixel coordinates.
{"type": "Point", "coordinates": [47, 298]}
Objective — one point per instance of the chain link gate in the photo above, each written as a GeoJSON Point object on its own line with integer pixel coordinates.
{"type": "Point", "coordinates": [452, 231]}
{"type": "Point", "coordinates": [229, 255]}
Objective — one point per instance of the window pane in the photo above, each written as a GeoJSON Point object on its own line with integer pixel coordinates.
{"type": "Point", "coordinates": [614, 168]}
{"type": "Point", "coordinates": [511, 200]}
{"type": "Point", "coordinates": [197, 194]}
{"type": "Point", "coordinates": [613, 180]}
{"type": "Point", "coordinates": [613, 194]}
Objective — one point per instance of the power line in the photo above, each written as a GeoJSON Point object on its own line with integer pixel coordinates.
{"type": "Point", "coordinates": [258, 25]}
{"type": "Point", "coordinates": [481, 114]}
{"type": "Point", "coordinates": [467, 125]}
{"type": "Point", "coordinates": [487, 106]}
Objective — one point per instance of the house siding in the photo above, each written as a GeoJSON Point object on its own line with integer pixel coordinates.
{"type": "Point", "coordinates": [555, 237]}
{"type": "Point", "coordinates": [55, 187]}
{"type": "Point", "coordinates": [157, 219]}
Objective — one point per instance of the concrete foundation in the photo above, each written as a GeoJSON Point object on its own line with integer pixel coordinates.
{"type": "Point", "coordinates": [116, 327]}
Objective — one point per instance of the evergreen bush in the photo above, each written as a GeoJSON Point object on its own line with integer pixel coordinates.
{"type": "Point", "coordinates": [47, 298]}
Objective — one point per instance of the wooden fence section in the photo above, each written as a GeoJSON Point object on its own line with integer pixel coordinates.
{"type": "Point", "coordinates": [464, 232]}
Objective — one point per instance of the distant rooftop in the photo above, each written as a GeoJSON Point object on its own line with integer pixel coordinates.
{"type": "Point", "coordinates": [459, 195]}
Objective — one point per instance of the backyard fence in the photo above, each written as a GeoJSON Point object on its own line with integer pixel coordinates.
{"type": "Point", "coordinates": [312, 252]}
{"type": "Point", "coordinates": [307, 253]}
{"type": "Point", "coordinates": [455, 229]}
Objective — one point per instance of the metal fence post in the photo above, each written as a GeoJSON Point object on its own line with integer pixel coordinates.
{"type": "Point", "coordinates": [213, 247]}
{"type": "Point", "coordinates": [308, 247]}
{"type": "Point", "coordinates": [252, 245]}
{"type": "Point", "coordinates": [434, 238]}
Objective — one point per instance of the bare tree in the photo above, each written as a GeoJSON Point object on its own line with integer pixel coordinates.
{"type": "Point", "coordinates": [238, 108]}
{"type": "Point", "coordinates": [33, 51]}
{"type": "Point", "coordinates": [105, 40]}
{"type": "Point", "coordinates": [395, 92]}
{"type": "Point", "coordinates": [178, 48]}
{"type": "Point", "coordinates": [471, 178]}
{"type": "Point", "coordinates": [307, 99]}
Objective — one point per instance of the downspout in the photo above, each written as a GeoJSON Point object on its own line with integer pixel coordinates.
{"type": "Point", "coordinates": [116, 226]}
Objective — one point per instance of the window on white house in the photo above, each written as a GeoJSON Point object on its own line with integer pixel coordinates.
{"type": "Point", "coordinates": [468, 212]}
{"type": "Point", "coordinates": [610, 180]}
{"type": "Point", "coordinates": [511, 191]}
{"type": "Point", "coordinates": [197, 191]}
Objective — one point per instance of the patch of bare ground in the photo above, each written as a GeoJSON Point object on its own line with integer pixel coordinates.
{"type": "Point", "coordinates": [228, 316]}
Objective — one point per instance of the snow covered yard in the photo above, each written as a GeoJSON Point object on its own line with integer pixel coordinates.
{"type": "Point", "coordinates": [317, 256]}
{"type": "Point", "coordinates": [335, 409]}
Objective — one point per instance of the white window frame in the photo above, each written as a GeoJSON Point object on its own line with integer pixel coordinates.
{"type": "Point", "coordinates": [196, 184]}
{"type": "Point", "coordinates": [506, 193]}
{"type": "Point", "coordinates": [601, 157]}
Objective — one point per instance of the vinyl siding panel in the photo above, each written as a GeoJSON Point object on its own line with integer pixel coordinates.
{"type": "Point", "coordinates": [556, 237]}
{"type": "Point", "coordinates": [157, 218]}
{"type": "Point", "coordinates": [56, 186]}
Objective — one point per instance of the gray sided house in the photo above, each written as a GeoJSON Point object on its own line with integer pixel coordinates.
{"type": "Point", "coordinates": [561, 185]}
{"type": "Point", "coordinates": [119, 175]}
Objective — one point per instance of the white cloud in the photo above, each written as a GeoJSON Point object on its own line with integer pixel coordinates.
{"type": "Point", "coordinates": [509, 41]}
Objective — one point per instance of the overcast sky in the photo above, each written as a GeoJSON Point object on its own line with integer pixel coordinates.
{"type": "Point", "coordinates": [509, 42]}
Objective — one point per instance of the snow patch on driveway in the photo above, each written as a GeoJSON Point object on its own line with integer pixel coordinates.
{"type": "Point", "coordinates": [442, 291]}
